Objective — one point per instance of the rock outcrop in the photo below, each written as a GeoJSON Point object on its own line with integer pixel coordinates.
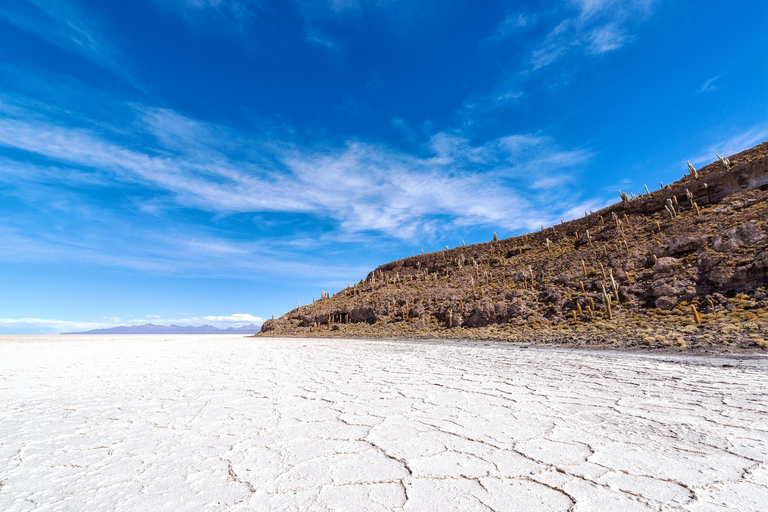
{"type": "Point", "coordinates": [684, 266]}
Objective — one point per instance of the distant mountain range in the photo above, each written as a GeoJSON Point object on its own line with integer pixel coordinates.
{"type": "Point", "coordinates": [173, 329]}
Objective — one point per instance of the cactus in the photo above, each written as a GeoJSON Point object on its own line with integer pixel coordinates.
{"type": "Point", "coordinates": [607, 303]}
{"type": "Point", "coordinates": [696, 316]}
{"type": "Point", "coordinates": [614, 285]}
{"type": "Point", "coordinates": [725, 161]}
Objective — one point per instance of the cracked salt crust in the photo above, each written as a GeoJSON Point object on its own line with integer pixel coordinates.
{"type": "Point", "coordinates": [226, 423]}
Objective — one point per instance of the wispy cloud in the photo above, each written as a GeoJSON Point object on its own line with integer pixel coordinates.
{"type": "Point", "coordinates": [478, 105]}
{"type": "Point", "coordinates": [322, 40]}
{"type": "Point", "coordinates": [594, 27]}
{"type": "Point", "coordinates": [239, 16]}
{"type": "Point", "coordinates": [234, 15]}
{"type": "Point", "coordinates": [709, 85]}
{"type": "Point", "coordinates": [64, 24]}
{"type": "Point", "coordinates": [607, 38]}
{"type": "Point", "coordinates": [572, 30]}
{"type": "Point", "coordinates": [514, 23]}
{"type": "Point", "coordinates": [360, 186]}
{"type": "Point", "coordinates": [731, 144]}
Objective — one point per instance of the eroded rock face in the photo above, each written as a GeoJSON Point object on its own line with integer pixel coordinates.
{"type": "Point", "coordinates": [483, 314]}
{"type": "Point", "coordinates": [269, 325]}
{"type": "Point", "coordinates": [457, 320]}
{"type": "Point", "coordinates": [417, 311]}
{"type": "Point", "coordinates": [749, 233]}
{"type": "Point", "coordinates": [668, 288]}
{"type": "Point", "coordinates": [721, 276]}
{"type": "Point", "coordinates": [363, 314]}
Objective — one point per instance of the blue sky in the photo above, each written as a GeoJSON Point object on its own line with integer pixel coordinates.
{"type": "Point", "coordinates": [216, 161]}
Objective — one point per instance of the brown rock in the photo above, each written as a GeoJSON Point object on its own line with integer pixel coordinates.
{"type": "Point", "coordinates": [685, 244]}
{"type": "Point", "coordinates": [666, 302]}
{"type": "Point", "coordinates": [664, 265]}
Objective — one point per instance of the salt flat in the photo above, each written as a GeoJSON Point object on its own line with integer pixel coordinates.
{"type": "Point", "coordinates": [229, 423]}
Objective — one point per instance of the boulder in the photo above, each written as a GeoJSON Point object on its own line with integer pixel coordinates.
{"type": "Point", "coordinates": [666, 302]}
{"type": "Point", "coordinates": [667, 264]}
{"type": "Point", "coordinates": [683, 244]}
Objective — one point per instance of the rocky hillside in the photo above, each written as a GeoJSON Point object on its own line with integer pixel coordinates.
{"type": "Point", "coordinates": [685, 266]}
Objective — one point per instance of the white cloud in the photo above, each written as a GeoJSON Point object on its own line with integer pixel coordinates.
{"type": "Point", "coordinates": [607, 38]}
{"type": "Point", "coordinates": [319, 39]}
{"type": "Point", "coordinates": [731, 145]}
{"type": "Point", "coordinates": [514, 23]}
{"type": "Point", "coordinates": [478, 105]}
{"type": "Point", "coordinates": [709, 85]}
{"type": "Point", "coordinates": [550, 182]}
{"type": "Point", "coordinates": [594, 27]}
{"type": "Point", "coordinates": [229, 13]}
{"type": "Point", "coordinates": [362, 187]}
{"type": "Point", "coordinates": [236, 319]}
{"type": "Point", "coordinates": [63, 24]}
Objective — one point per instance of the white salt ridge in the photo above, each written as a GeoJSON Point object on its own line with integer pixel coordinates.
{"type": "Point", "coordinates": [226, 423]}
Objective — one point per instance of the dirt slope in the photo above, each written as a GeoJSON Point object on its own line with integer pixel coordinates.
{"type": "Point", "coordinates": [629, 275]}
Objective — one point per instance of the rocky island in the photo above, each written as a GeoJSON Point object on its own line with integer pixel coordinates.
{"type": "Point", "coordinates": [683, 267]}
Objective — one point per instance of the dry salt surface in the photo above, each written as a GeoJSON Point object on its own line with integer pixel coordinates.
{"type": "Point", "coordinates": [195, 423]}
